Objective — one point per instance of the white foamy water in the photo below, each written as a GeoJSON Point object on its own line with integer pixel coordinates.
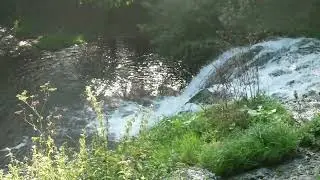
{"type": "Point", "coordinates": [295, 69]}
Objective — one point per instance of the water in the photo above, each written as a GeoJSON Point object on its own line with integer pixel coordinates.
{"type": "Point", "coordinates": [120, 69]}
{"type": "Point", "coordinates": [138, 85]}
{"type": "Point", "coordinates": [165, 107]}
{"type": "Point", "coordinates": [297, 60]}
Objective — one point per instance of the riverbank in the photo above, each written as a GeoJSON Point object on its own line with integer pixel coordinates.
{"type": "Point", "coordinates": [226, 140]}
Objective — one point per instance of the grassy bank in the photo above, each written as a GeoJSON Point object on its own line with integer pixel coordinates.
{"type": "Point", "coordinates": [225, 139]}
{"type": "Point", "coordinates": [47, 40]}
{"type": "Point", "coordinates": [59, 40]}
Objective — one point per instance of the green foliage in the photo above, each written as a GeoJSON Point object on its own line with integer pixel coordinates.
{"type": "Point", "coordinates": [224, 139]}
{"type": "Point", "coordinates": [196, 30]}
{"type": "Point", "coordinates": [260, 144]}
{"type": "Point", "coordinates": [59, 41]}
{"type": "Point", "coordinates": [189, 147]}
{"type": "Point", "coordinates": [228, 140]}
{"type": "Point", "coordinates": [311, 133]}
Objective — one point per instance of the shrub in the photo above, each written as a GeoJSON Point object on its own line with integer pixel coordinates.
{"type": "Point", "coordinates": [240, 114]}
{"type": "Point", "coordinates": [310, 133]}
{"type": "Point", "coordinates": [261, 144]}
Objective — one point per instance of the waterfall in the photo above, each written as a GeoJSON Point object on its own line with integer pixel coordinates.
{"type": "Point", "coordinates": [296, 61]}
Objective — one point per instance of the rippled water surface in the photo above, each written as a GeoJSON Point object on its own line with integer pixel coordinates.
{"type": "Point", "coordinates": [120, 70]}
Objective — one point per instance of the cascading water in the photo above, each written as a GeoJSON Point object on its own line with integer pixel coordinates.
{"type": "Point", "coordinates": [167, 106]}
{"type": "Point", "coordinates": [279, 54]}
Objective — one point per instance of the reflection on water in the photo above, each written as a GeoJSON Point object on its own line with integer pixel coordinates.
{"type": "Point", "coordinates": [119, 69]}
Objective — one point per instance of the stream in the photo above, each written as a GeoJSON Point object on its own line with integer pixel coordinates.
{"type": "Point", "coordinates": [120, 70]}
{"type": "Point", "coordinates": [136, 84]}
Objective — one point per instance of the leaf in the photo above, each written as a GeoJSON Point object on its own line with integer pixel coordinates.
{"type": "Point", "coordinates": [18, 112]}
{"type": "Point", "coordinates": [253, 112]}
{"type": "Point", "coordinates": [273, 111]}
{"type": "Point", "coordinates": [52, 89]}
{"type": "Point", "coordinates": [23, 96]}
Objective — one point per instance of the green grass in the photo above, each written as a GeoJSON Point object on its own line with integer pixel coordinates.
{"type": "Point", "coordinates": [310, 134]}
{"type": "Point", "coordinates": [227, 140]}
{"type": "Point", "coordinates": [59, 41]}
{"type": "Point", "coordinates": [223, 139]}
{"type": "Point", "coordinates": [47, 40]}
{"type": "Point", "coordinates": [261, 144]}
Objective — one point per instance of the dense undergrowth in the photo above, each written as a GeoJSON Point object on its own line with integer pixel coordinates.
{"type": "Point", "coordinates": [225, 139]}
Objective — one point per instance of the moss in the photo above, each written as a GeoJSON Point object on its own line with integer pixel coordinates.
{"type": "Point", "coordinates": [59, 41]}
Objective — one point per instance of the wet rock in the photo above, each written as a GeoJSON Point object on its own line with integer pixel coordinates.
{"type": "Point", "coordinates": [11, 46]}
{"type": "Point", "coordinates": [304, 167]}
{"type": "Point", "coordinates": [203, 97]}
{"type": "Point", "coordinates": [279, 72]}
{"type": "Point", "coordinates": [293, 83]}
{"type": "Point", "coordinates": [259, 174]}
{"type": "Point", "coordinates": [192, 173]}
{"type": "Point", "coordinates": [264, 58]}
{"type": "Point", "coordinates": [303, 66]}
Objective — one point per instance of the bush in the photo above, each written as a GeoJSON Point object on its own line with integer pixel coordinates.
{"type": "Point", "coordinates": [310, 134]}
{"type": "Point", "coordinates": [261, 144]}
{"type": "Point", "coordinates": [225, 119]}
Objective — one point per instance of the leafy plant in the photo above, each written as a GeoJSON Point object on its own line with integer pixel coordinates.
{"type": "Point", "coordinates": [310, 133]}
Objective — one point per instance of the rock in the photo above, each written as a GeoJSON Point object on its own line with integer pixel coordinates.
{"type": "Point", "coordinates": [24, 44]}
{"type": "Point", "coordinates": [192, 173]}
{"type": "Point", "coordinates": [304, 167]}
{"type": "Point", "coordinates": [304, 66]}
{"type": "Point", "coordinates": [11, 46]}
{"type": "Point", "coordinates": [202, 97]}
{"type": "Point", "coordinates": [259, 174]}
{"type": "Point", "coordinates": [279, 72]}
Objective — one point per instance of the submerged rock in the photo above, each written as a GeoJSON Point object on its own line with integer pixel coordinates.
{"type": "Point", "coordinates": [203, 97]}
{"type": "Point", "coordinates": [279, 72]}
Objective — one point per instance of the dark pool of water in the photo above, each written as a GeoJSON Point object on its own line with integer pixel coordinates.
{"type": "Point", "coordinates": [120, 69]}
